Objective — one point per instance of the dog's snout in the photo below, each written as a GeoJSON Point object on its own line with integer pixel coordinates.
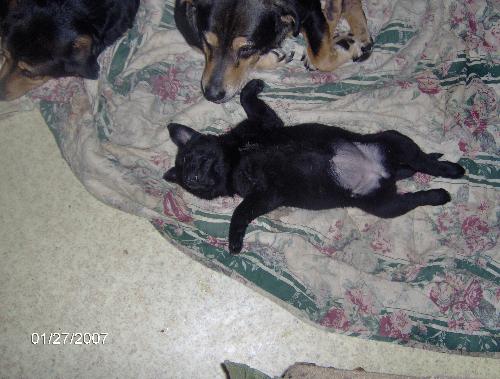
{"type": "Point", "coordinates": [214, 94]}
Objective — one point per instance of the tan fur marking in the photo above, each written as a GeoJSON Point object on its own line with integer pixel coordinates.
{"type": "Point", "coordinates": [212, 39]}
{"type": "Point", "coordinates": [83, 43]}
{"type": "Point", "coordinates": [333, 11]}
{"type": "Point", "coordinates": [239, 42]}
{"type": "Point", "coordinates": [327, 59]}
{"type": "Point", "coordinates": [13, 84]}
{"type": "Point", "coordinates": [268, 62]}
{"type": "Point", "coordinates": [355, 16]}
{"type": "Point", "coordinates": [235, 75]}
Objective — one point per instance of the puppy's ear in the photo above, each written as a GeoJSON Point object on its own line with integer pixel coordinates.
{"type": "Point", "coordinates": [87, 65]}
{"type": "Point", "coordinates": [181, 134]}
{"type": "Point", "coordinates": [171, 175]}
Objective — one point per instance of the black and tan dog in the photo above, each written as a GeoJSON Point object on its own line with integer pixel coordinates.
{"type": "Point", "coordinates": [44, 39]}
{"type": "Point", "coordinates": [237, 36]}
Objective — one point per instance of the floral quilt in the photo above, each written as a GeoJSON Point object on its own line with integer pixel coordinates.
{"type": "Point", "coordinates": [429, 279]}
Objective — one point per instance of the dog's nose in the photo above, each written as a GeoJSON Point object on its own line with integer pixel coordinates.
{"type": "Point", "coordinates": [214, 94]}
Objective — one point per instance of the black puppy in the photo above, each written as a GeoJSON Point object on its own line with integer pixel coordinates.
{"type": "Point", "coordinates": [44, 39]}
{"type": "Point", "coordinates": [237, 36]}
{"type": "Point", "coordinates": [308, 166]}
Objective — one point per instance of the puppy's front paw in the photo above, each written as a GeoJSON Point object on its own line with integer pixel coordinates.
{"type": "Point", "coordinates": [235, 246]}
{"type": "Point", "coordinates": [252, 88]}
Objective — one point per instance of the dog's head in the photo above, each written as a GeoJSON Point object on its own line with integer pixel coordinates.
{"type": "Point", "coordinates": [233, 35]}
{"type": "Point", "coordinates": [42, 40]}
{"type": "Point", "coordinates": [201, 166]}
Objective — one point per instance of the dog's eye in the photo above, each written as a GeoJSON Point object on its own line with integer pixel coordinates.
{"type": "Point", "coordinates": [246, 51]}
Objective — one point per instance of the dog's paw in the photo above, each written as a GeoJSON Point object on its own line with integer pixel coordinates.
{"type": "Point", "coordinates": [366, 51]}
{"type": "Point", "coordinates": [348, 44]}
{"type": "Point", "coordinates": [438, 197]}
{"type": "Point", "coordinates": [253, 88]}
{"type": "Point", "coordinates": [235, 246]}
{"type": "Point", "coordinates": [283, 57]}
{"type": "Point", "coordinates": [451, 170]}
{"type": "Point", "coordinates": [274, 59]}
{"type": "Point", "coordinates": [307, 63]}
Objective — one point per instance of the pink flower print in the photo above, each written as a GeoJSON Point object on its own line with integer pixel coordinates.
{"type": "Point", "coordinates": [167, 86]}
{"type": "Point", "coordinates": [474, 231]}
{"type": "Point", "coordinates": [381, 244]}
{"type": "Point", "coordinates": [362, 301]}
{"type": "Point", "coordinates": [492, 37]}
{"type": "Point", "coordinates": [422, 178]}
{"type": "Point", "coordinates": [336, 318]}
{"type": "Point", "coordinates": [158, 222]}
{"type": "Point", "coordinates": [404, 84]}
{"type": "Point", "coordinates": [463, 146]}
{"type": "Point", "coordinates": [473, 294]}
{"type": "Point", "coordinates": [396, 325]}
{"type": "Point", "coordinates": [462, 324]}
{"type": "Point", "coordinates": [428, 83]}
{"type": "Point", "coordinates": [319, 77]}
{"type": "Point", "coordinates": [335, 231]}
{"type": "Point", "coordinates": [444, 222]}
{"type": "Point", "coordinates": [400, 61]}
{"type": "Point", "coordinates": [471, 22]}
{"type": "Point", "coordinates": [445, 67]}
{"type": "Point", "coordinates": [443, 295]}
{"type": "Point", "coordinates": [161, 160]}
{"type": "Point", "coordinates": [217, 242]}
{"type": "Point", "coordinates": [174, 207]}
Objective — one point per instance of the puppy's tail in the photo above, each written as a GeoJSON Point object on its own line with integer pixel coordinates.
{"type": "Point", "coordinates": [255, 108]}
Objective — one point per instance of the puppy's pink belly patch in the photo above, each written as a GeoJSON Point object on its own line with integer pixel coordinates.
{"type": "Point", "coordinates": [358, 167]}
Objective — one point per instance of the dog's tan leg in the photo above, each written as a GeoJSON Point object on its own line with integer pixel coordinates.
{"type": "Point", "coordinates": [333, 11]}
{"type": "Point", "coordinates": [326, 50]}
{"type": "Point", "coordinates": [353, 13]}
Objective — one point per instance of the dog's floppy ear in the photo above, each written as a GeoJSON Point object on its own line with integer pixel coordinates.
{"type": "Point", "coordinates": [87, 65]}
{"type": "Point", "coordinates": [186, 20]}
{"type": "Point", "coordinates": [181, 134]}
{"type": "Point", "coordinates": [171, 175]}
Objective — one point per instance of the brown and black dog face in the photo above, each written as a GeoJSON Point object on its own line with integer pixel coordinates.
{"type": "Point", "coordinates": [233, 35]}
{"type": "Point", "coordinates": [44, 39]}
{"type": "Point", "coordinates": [238, 35]}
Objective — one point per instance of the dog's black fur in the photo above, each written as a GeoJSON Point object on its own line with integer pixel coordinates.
{"type": "Point", "coordinates": [45, 39]}
{"type": "Point", "coordinates": [270, 166]}
{"type": "Point", "coordinates": [238, 35]}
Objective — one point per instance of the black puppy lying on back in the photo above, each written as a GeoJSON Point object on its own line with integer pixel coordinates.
{"type": "Point", "coordinates": [50, 39]}
{"type": "Point", "coordinates": [308, 166]}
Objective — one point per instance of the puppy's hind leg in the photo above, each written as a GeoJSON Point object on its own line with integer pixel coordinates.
{"type": "Point", "coordinates": [407, 152]}
{"type": "Point", "coordinates": [255, 108]}
{"type": "Point", "coordinates": [399, 204]}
